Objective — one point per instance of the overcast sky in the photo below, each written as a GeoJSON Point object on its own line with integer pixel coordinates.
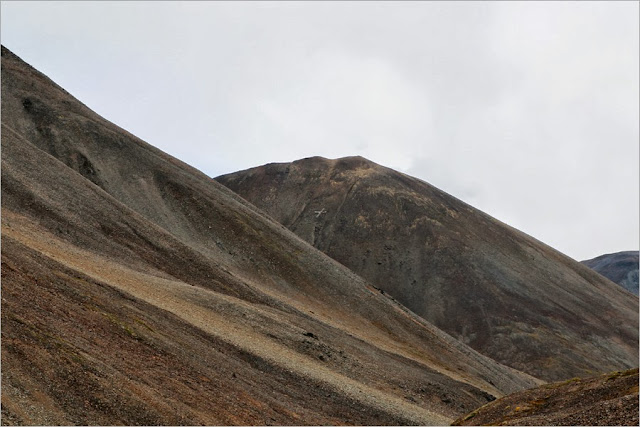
{"type": "Point", "coordinates": [528, 111]}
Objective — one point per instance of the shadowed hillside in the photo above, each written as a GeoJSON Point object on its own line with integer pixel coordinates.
{"type": "Point", "coordinates": [620, 268]}
{"type": "Point", "coordinates": [136, 290]}
{"type": "Point", "coordinates": [502, 292]}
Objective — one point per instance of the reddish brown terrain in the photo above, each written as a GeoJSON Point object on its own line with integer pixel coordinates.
{"type": "Point", "coordinates": [609, 400]}
{"type": "Point", "coordinates": [495, 288]}
{"type": "Point", "coordinates": [136, 290]}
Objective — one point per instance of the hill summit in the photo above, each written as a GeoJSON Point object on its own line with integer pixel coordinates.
{"type": "Point", "coordinates": [498, 290]}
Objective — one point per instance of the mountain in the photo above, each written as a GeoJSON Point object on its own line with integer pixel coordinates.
{"type": "Point", "coordinates": [607, 400]}
{"type": "Point", "coordinates": [621, 268]}
{"type": "Point", "coordinates": [137, 290]}
{"type": "Point", "coordinates": [493, 287]}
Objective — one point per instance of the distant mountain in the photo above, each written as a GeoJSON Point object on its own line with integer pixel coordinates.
{"type": "Point", "coordinates": [620, 267]}
{"type": "Point", "coordinates": [136, 290]}
{"type": "Point", "coordinates": [495, 288]}
{"type": "Point", "coordinates": [607, 400]}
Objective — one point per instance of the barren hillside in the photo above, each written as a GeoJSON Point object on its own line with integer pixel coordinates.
{"type": "Point", "coordinates": [606, 400]}
{"type": "Point", "coordinates": [495, 288]}
{"type": "Point", "coordinates": [620, 268]}
{"type": "Point", "coordinates": [136, 290]}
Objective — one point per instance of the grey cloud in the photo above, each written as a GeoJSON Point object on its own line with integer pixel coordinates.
{"type": "Point", "coordinates": [528, 111]}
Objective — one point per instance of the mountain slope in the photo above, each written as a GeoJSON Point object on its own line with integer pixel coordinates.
{"type": "Point", "coordinates": [620, 268]}
{"type": "Point", "coordinates": [504, 293]}
{"type": "Point", "coordinates": [136, 290]}
{"type": "Point", "coordinates": [607, 400]}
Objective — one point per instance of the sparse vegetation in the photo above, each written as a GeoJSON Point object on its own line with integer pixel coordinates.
{"type": "Point", "coordinates": [610, 399]}
{"type": "Point", "coordinates": [438, 256]}
{"type": "Point", "coordinates": [137, 291]}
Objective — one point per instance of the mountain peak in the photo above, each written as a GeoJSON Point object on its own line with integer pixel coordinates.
{"type": "Point", "coordinates": [484, 283]}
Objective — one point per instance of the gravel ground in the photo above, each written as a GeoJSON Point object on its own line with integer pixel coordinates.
{"type": "Point", "coordinates": [610, 399]}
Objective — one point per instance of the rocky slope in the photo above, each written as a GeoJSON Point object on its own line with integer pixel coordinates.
{"type": "Point", "coordinates": [607, 400]}
{"type": "Point", "coordinates": [502, 292]}
{"type": "Point", "coordinates": [620, 267]}
{"type": "Point", "coordinates": [136, 290]}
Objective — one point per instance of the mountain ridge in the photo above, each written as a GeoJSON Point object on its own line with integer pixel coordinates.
{"type": "Point", "coordinates": [445, 260]}
{"type": "Point", "coordinates": [619, 267]}
{"type": "Point", "coordinates": [136, 290]}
